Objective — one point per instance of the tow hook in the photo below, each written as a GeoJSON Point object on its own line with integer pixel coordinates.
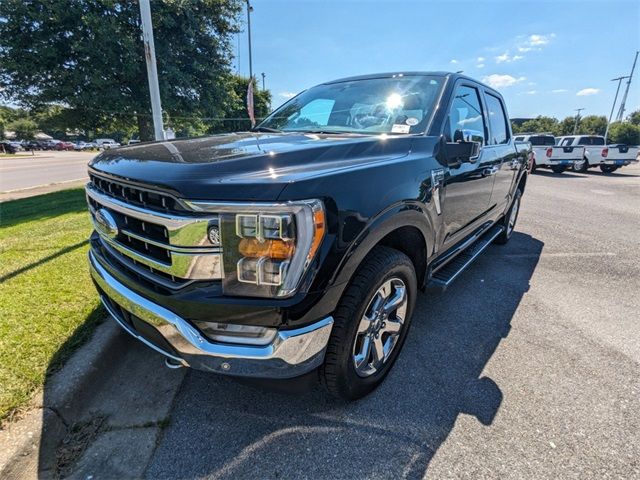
{"type": "Point", "coordinates": [172, 364]}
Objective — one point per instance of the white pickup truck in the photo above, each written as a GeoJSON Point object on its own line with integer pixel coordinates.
{"type": "Point", "coordinates": [547, 154]}
{"type": "Point", "coordinates": [596, 153]}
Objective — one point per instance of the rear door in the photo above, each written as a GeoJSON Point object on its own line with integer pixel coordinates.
{"type": "Point", "coordinates": [467, 186]}
{"type": "Point", "coordinates": [506, 162]}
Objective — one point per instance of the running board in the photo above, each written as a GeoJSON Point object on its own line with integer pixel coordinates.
{"type": "Point", "coordinates": [445, 276]}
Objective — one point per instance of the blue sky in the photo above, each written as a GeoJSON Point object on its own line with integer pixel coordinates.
{"type": "Point", "coordinates": [547, 58]}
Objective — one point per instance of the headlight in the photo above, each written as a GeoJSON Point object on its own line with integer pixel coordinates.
{"type": "Point", "coordinates": [267, 249]}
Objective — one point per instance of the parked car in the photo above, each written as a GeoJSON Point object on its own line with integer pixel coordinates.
{"type": "Point", "coordinates": [106, 143]}
{"type": "Point", "coordinates": [8, 147]}
{"type": "Point", "coordinates": [303, 244]}
{"type": "Point", "coordinates": [64, 146]}
{"type": "Point", "coordinates": [597, 154]}
{"type": "Point", "coordinates": [546, 154]}
{"type": "Point", "coordinates": [133, 141]}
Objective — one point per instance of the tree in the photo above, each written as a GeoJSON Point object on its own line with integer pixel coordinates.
{"type": "Point", "coordinates": [24, 128]}
{"type": "Point", "coordinates": [634, 117]}
{"type": "Point", "coordinates": [540, 124]}
{"type": "Point", "coordinates": [236, 106]}
{"type": "Point", "coordinates": [624, 132]}
{"type": "Point", "coordinates": [89, 57]}
{"type": "Point", "coordinates": [592, 125]}
{"type": "Point", "coordinates": [565, 127]}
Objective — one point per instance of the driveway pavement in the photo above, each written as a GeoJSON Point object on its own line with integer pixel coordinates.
{"type": "Point", "coordinates": [527, 367]}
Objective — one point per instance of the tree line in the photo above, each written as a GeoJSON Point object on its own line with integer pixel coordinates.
{"type": "Point", "coordinates": [619, 132]}
{"type": "Point", "coordinates": [80, 66]}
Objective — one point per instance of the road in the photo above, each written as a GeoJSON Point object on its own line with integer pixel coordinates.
{"type": "Point", "coordinates": [528, 366]}
{"type": "Point", "coordinates": [44, 168]}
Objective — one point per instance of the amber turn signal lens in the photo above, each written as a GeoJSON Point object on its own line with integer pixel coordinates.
{"type": "Point", "coordinates": [319, 230]}
{"type": "Point", "coordinates": [276, 249]}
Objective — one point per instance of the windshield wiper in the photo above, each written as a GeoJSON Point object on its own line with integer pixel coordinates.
{"type": "Point", "coordinates": [266, 129]}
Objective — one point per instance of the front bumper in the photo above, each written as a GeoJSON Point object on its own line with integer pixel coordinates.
{"type": "Point", "coordinates": [292, 352]}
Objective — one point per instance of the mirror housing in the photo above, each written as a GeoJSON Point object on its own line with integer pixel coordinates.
{"type": "Point", "coordinates": [464, 149]}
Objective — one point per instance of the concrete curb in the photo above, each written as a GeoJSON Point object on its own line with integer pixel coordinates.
{"type": "Point", "coordinates": [58, 406]}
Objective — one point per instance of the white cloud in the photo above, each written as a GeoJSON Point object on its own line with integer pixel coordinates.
{"type": "Point", "coordinates": [496, 80]}
{"type": "Point", "coordinates": [531, 92]}
{"type": "Point", "coordinates": [506, 58]}
{"type": "Point", "coordinates": [454, 61]}
{"type": "Point", "coordinates": [481, 59]}
{"type": "Point", "coordinates": [559, 90]}
{"type": "Point", "coordinates": [587, 91]}
{"type": "Point", "coordinates": [535, 42]}
{"type": "Point", "coordinates": [480, 65]}
{"type": "Point", "coordinates": [287, 95]}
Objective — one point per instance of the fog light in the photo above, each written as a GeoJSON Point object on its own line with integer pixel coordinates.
{"type": "Point", "coordinates": [238, 334]}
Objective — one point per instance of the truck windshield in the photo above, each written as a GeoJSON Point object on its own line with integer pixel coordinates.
{"type": "Point", "coordinates": [394, 105]}
{"type": "Point", "coordinates": [542, 140]}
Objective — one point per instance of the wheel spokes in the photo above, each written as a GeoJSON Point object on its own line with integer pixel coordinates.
{"type": "Point", "coordinates": [398, 299]}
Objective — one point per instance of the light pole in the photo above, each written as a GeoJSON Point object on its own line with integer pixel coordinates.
{"type": "Point", "coordinates": [249, 10]}
{"type": "Point", "coordinates": [152, 70]}
{"type": "Point", "coordinates": [263, 75]}
{"type": "Point", "coordinates": [615, 99]}
{"type": "Point", "coordinates": [575, 126]}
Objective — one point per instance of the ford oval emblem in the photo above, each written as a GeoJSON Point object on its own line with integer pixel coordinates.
{"type": "Point", "coordinates": [106, 223]}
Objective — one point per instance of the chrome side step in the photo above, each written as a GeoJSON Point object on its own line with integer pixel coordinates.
{"type": "Point", "coordinates": [445, 276]}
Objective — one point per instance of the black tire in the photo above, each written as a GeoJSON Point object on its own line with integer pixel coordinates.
{"type": "Point", "coordinates": [608, 168]}
{"type": "Point", "coordinates": [508, 229]}
{"type": "Point", "coordinates": [533, 167]}
{"type": "Point", "coordinates": [338, 372]}
{"type": "Point", "coordinates": [558, 168]}
{"type": "Point", "coordinates": [583, 168]}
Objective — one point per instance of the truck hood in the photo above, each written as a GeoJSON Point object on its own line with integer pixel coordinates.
{"type": "Point", "coordinates": [245, 166]}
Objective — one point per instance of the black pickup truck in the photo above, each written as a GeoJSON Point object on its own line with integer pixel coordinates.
{"type": "Point", "coordinates": [302, 245]}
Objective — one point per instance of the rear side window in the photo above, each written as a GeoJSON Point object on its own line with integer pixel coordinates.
{"type": "Point", "coordinates": [497, 121]}
{"type": "Point", "coordinates": [519, 139]}
{"type": "Point", "coordinates": [566, 142]}
{"type": "Point", "coordinates": [542, 140]}
{"type": "Point", "coordinates": [591, 141]}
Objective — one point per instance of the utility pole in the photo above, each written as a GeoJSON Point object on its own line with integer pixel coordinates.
{"type": "Point", "coordinates": [249, 10]}
{"type": "Point", "coordinates": [615, 99]}
{"type": "Point", "coordinates": [575, 126]}
{"type": "Point", "coordinates": [263, 75]}
{"type": "Point", "coordinates": [152, 70]}
{"type": "Point", "coordinates": [620, 115]}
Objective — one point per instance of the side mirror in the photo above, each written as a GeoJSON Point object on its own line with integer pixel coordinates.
{"type": "Point", "coordinates": [465, 149]}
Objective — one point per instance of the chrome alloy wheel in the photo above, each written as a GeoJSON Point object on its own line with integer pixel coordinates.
{"type": "Point", "coordinates": [380, 327]}
{"type": "Point", "coordinates": [513, 216]}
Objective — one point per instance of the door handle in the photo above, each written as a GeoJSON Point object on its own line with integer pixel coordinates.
{"type": "Point", "coordinates": [490, 171]}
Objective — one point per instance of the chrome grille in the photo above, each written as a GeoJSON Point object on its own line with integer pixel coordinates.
{"type": "Point", "coordinates": [134, 195]}
{"type": "Point", "coordinates": [170, 247]}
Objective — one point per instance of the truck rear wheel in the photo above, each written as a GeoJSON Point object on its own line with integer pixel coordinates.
{"type": "Point", "coordinates": [558, 168]}
{"type": "Point", "coordinates": [510, 219]}
{"type": "Point", "coordinates": [608, 168]}
{"type": "Point", "coordinates": [370, 324]}
{"type": "Point", "coordinates": [581, 167]}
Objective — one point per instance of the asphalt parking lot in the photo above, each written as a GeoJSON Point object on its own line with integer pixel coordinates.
{"type": "Point", "coordinates": [527, 367]}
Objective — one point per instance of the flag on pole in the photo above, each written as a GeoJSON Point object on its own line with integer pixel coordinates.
{"type": "Point", "coordinates": [252, 116]}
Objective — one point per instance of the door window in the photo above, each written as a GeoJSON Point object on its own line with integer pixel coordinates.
{"type": "Point", "coordinates": [497, 121]}
{"type": "Point", "coordinates": [466, 121]}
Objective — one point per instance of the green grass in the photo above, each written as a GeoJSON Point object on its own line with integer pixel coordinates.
{"type": "Point", "coordinates": [48, 306]}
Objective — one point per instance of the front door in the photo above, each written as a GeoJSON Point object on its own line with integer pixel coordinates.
{"type": "Point", "coordinates": [468, 186]}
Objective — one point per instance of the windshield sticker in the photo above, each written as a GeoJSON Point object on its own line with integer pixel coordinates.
{"type": "Point", "coordinates": [411, 121]}
{"type": "Point", "coordinates": [398, 128]}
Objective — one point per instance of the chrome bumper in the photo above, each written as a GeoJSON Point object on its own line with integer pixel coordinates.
{"type": "Point", "coordinates": [290, 354]}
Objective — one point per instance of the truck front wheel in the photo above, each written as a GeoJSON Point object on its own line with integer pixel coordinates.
{"type": "Point", "coordinates": [608, 168]}
{"type": "Point", "coordinates": [510, 219]}
{"type": "Point", "coordinates": [370, 324]}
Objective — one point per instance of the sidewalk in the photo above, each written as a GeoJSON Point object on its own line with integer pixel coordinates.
{"type": "Point", "coordinates": [90, 419]}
